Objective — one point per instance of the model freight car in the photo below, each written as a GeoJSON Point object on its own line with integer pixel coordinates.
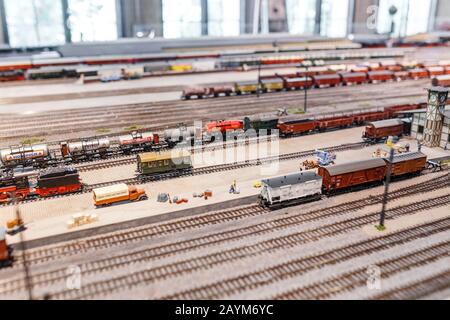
{"type": "Point", "coordinates": [275, 84]}
{"type": "Point", "coordinates": [25, 155]}
{"type": "Point", "coordinates": [379, 130]}
{"type": "Point", "coordinates": [167, 162]}
{"type": "Point", "coordinates": [407, 164]}
{"type": "Point", "coordinates": [4, 251]}
{"type": "Point", "coordinates": [327, 80]}
{"type": "Point", "coordinates": [139, 142]}
{"type": "Point", "coordinates": [246, 87]}
{"type": "Point", "coordinates": [349, 78]}
{"type": "Point", "coordinates": [291, 189]}
{"type": "Point", "coordinates": [441, 81]}
{"type": "Point", "coordinates": [353, 174]}
{"type": "Point", "coordinates": [296, 83]}
{"type": "Point", "coordinates": [86, 150]}
{"type": "Point", "coordinates": [261, 122]}
{"type": "Point", "coordinates": [295, 125]}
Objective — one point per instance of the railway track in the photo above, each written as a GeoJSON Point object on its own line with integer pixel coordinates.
{"type": "Point", "coordinates": [297, 267]}
{"type": "Point", "coordinates": [195, 149]}
{"type": "Point", "coordinates": [228, 167]}
{"type": "Point", "coordinates": [225, 256]}
{"type": "Point", "coordinates": [152, 231]}
{"type": "Point", "coordinates": [159, 116]}
{"type": "Point", "coordinates": [139, 180]}
{"type": "Point", "coordinates": [419, 289]}
{"type": "Point", "coordinates": [358, 278]}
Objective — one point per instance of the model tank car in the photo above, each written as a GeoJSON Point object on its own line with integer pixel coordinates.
{"type": "Point", "coordinates": [85, 150]}
{"type": "Point", "coordinates": [174, 162]}
{"type": "Point", "coordinates": [291, 189]}
{"type": "Point", "coordinates": [24, 155]}
{"type": "Point", "coordinates": [182, 135]}
{"type": "Point", "coordinates": [138, 142]}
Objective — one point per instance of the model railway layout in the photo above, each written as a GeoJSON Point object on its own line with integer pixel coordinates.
{"type": "Point", "coordinates": [300, 168]}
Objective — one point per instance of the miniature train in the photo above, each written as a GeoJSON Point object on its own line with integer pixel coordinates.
{"type": "Point", "coordinates": [317, 77]}
{"type": "Point", "coordinates": [19, 185]}
{"type": "Point", "coordinates": [308, 186]}
{"type": "Point", "coordinates": [40, 156]}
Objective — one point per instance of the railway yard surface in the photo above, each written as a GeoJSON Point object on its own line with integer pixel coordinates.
{"type": "Point", "coordinates": [226, 246]}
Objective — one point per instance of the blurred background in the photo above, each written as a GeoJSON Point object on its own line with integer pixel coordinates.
{"type": "Point", "coordinates": [41, 23]}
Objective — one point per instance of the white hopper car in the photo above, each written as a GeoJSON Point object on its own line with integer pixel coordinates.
{"type": "Point", "coordinates": [291, 189]}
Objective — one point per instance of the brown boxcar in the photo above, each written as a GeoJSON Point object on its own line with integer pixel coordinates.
{"type": "Point", "coordinates": [4, 254]}
{"type": "Point", "coordinates": [353, 77]}
{"type": "Point", "coordinates": [221, 90]}
{"type": "Point", "coordinates": [352, 174]}
{"type": "Point", "coordinates": [441, 81]}
{"type": "Point", "coordinates": [295, 125]}
{"type": "Point", "coordinates": [407, 163]}
{"type": "Point", "coordinates": [401, 75]}
{"type": "Point", "coordinates": [327, 80]}
{"type": "Point", "coordinates": [382, 129]}
{"type": "Point", "coordinates": [297, 83]}
{"type": "Point", "coordinates": [418, 73]}
{"type": "Point", "coordinates": [380, 76]}
{"type": "Point", "coordinates": [436, 71]}
{"type": "Point", "coordinates": [331, 123]}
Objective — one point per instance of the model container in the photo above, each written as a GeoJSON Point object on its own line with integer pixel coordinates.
{"type": "Point", "coordinates": [352, 174]}
{"type": "Point", "coordinates": [380, 130]}
{"type": "Point", "coordinates": [407, 164]}
{"type": "Point", "coordinates": [4, 252]}
{"type": "Point", "coordinates": [117, 193]}
{"type": "Point", "coordinates": [167, 162]}
{"type": "Point", "coordinates": [294, 188]}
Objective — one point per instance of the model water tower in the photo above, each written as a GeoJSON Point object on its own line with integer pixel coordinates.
{"type": "Point", "coordinates": [437, 99]}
